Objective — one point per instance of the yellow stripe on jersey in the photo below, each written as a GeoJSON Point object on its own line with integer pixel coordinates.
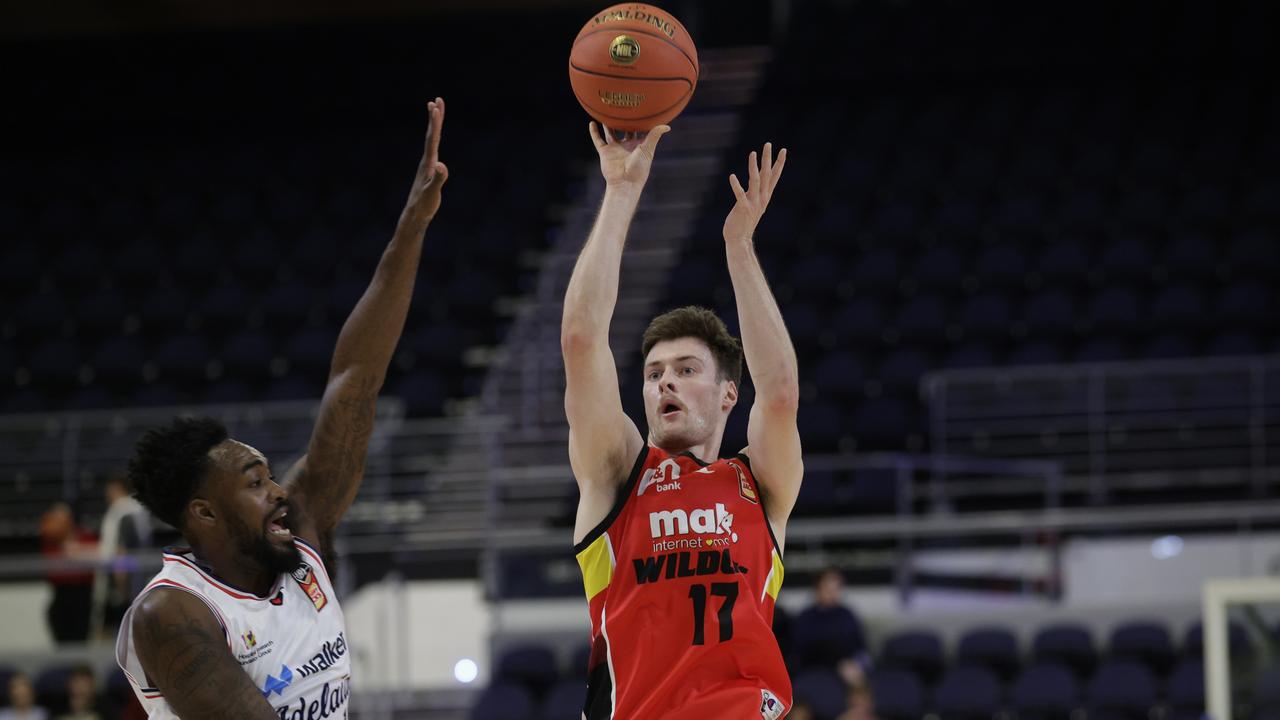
{"type": "Point", "coordinates": [596, 561]}
{"type": "Point", "coordinates": [773, 583]}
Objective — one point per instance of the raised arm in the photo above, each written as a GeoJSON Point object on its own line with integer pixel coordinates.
{"type": "Point", "coordinates": [603, 441]}
{"type": "Point", "coordinates": [184, 652]}
{"type": "Point", "coordinates": [324, 482]}
{"type": "Point", "coordinates": [772, 436]}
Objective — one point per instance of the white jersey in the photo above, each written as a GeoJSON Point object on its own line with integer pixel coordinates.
{"type": "Point", "coordinates": [292, 643]}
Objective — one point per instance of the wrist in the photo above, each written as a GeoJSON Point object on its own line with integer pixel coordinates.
{"type": "Point", "coordinates": [739, 242]}
{"type": "Point", "coordinates": [628, 190]}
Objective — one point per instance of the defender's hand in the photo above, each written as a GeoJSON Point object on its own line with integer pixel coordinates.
{"type": "Point", "coordinates": [746, 213]}
{"type": "Point", "coordinates": [626, 162]}
{"type": "Point", "coordinates": [424, 196]}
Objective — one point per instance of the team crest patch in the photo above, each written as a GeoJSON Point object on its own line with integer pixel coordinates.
{"type": "Point", "coordinates": [306, 579]}
{"type": "Point", "coordinates": [250, 640]}
{"type": "Point", "coordinates": [771, 708]}
{"type": "Point", "coordinates": [747, 492]}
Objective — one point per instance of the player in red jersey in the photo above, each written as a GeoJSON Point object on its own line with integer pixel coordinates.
{"type": "Point", "coordinates": [681, 552]}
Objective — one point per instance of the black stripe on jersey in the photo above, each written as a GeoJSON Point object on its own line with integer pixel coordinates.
{"type": "Point", "coordinates": [618, 504]}
{"type": "Point", "coordinates": [693, 457]}
{"type": "Point", "coordinates": [760, 491]}
{"type": "Point", "coordinates": [599, 703]}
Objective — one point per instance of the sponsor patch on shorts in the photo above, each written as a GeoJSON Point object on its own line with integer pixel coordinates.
{"type": "Point", "coordinates": [771, 708]}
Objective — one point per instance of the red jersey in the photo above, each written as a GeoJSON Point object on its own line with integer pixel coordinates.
{"type": "Point", "coordinates": [681, 580]}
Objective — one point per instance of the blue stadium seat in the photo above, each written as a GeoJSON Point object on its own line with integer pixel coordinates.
{"type": "Point", "coordinates": [55, 363]}
{"type": "Point", "coordinates": [503, 701]}
{"type": "Point", "coordinates": [295, 387]}
{"type": "Point", "coordinates": [882, 420]}
{"type": "Point", "coordinates": [42, 314]}
{"type": "Point", "coordinates": [804, 323]}
{"type": "Point", "coordinates": [533, 666]}
{"type": "Point", "coordinates": [164, 310]}
{"type": "Point", "coordinates": [899, 694]}
{"type": "Point", "coordinates": [1179, 306]}
{"type": "Point", "coordinates": [1145, 642]}
{"type": "Point", "coordinates": [1002, 265]}
{"type": "Point", "coordinates": [902, 369]}
{"type": "Point", "coordinates": [876, 270]}
{"type": "Point", "coordinates": [995, 648]}
{"type": "Point", "coordinates": [1184, 690]}
{"type": "Point", "coordinates": [861, 320]}
{"type": "Point", "coordinates": [821, 422]}
{"type": "Point", "coordinates": [814, 275]}
{"type": "Point", "coordinates": [1266, 692]}
{"type": "Point", "coordinates": [940, 268]}
{"type": "Point", "coordinates": [50, 685]}
{"type": "Point", "coordinates": [1127, 259]}
{"type": "Point", "coordinates": [1171, 344]}
{"type": "Point", "coordinates": [1254, 254]}
{"type": "Point", "coordinates": [1038, 352]}
{"type": "Point", "coordinates": [972, 353]}
{"type": "Point", "coordinates": [822, 690]}
{"type": "Point", "coordinates": [841, 373]}
{"type": "Point", "coordinates": [923, 319]}
{"type": "Point", "coordinates": [1244, 305]}
{"type": "Point", "coordinates": [422, 393]}
{"type": "Point", "coordinates": [1045, 692]}
{"type": "Point", "coordinates": [1233, 342]}
{"type": "Point", "coordinates": [1103, 348]}
{"type": "Point", "coordinates": [1084, 209]}
{"type": "Point", "coordinates": [100, 313]}
{"type": "Point", "coordinates": [565, 700]}
{"type": "Point", "coordinates": [287, 305]}
{"type": "Point", "coordinates": [919, 651]}
{"type": "Point", "coordinates": [1191, 256]}
{"type": "Point", "coordinates": [1067, 643]}
{"type": "Point", "coordinates": [249, 354]}
{"type": "Point", "coordinates": [987, 315]}
{"type": "Point", "coordinates": [184, 356]}
{"type": "Point", "coordinates": [1116, 309]}
{"type": "Point", "coordinates": [225, 306]}
{"type": "Point", "coordinates": [158, 394]}
{"type": "Point", "coordinates": [1063, 263]}
{"type": "Point", "coordinates": [1050, 314]}
{"type": "Point", "coordinates": [1122, 690]}
{"type": "Point", "coordinates": [228, 390]}
{"type": "Point", "coordinates": [968, 692]}
{"type": "Point", "coordinates": [1238, 642]}
{"type": "Point", "coordinates": [310, 351]}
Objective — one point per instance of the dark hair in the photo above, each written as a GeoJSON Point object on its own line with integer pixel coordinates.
{"type": "Point", "coordinates": [703, 324]}
{"type": "Point", "coordinates": [83, 670]}
{"type": "Point", "coordinates": [170, 462]}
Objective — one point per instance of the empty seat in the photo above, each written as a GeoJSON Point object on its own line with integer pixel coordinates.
{"type": "Point", "coordinates": [1116, 309]}
{"type": "Point", "coordinates": [1050, 314]}
{"type": "Point", "coordinates": [987, 315]}
{"type": "Point", "coordinates": [968, 692]}
{"type": "Point", "coordinates": [923, 319]}
{"type": "Point", "coordinates": [503, 701]}
{"type": "Point", "coordinates": [1238, 643]}
{"type": "Point", "coordinates": [822, 690]}
{"type": "Point", "coordinates": [533, 666]}
{"type": "Point", "coordinates": [919, 651]}
{"type": "Point", "coordinates": [1002, 265]}
{"type": "Point", "coordinates": [840, 373]}
{"type": "Point", "coordinates": [1068, 644]}
{"type": "Point", "coordinates": [995, 648]}
{"type": "Point", "coordinates": [899, 694]}
{"type": "Point", "coordinates": [1184, 690]}
{"type": "Point", "coordinates": [565, 699]}
{"type": "Point", "coordinates": [1047, 691]}
{"type": "Point", "coordinates": [1127, 259]}
{"type": "Point", "coordinates": [1179, 306]}
{"type": "Point", "coordinates": [1144, 642]}
{"type": "Point", "coordinates": [1122, 690]}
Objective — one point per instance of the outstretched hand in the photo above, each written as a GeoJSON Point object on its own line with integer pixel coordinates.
{"type": "Point", "coordinates": [424, 196]}
{"type": "Point", "coordinates": [626, 161]}
{"type": "Point", "coordinates": [762, 178]}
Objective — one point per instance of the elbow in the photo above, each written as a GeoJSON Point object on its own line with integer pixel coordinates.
{"type": "Point", "coordinates": [782, 396]}
{"type": "Point", "coordinates": [575, 336]}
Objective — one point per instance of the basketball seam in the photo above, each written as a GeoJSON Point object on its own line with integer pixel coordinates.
{"type": "Point", "coordinates": [624, 77]}
{"type": "Point", "coordinates": [692, 63]}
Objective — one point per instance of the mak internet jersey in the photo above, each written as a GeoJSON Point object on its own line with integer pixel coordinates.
{"type": "Point", "coordinates": [681, 580]}
{"type": "Point", "coordinates": [292, 642]}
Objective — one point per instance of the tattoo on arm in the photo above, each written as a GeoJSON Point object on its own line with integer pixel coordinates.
{"type": "Point", "coordinates": [339, 445]}
{"type": "Point", "coordinates": [185, 655]}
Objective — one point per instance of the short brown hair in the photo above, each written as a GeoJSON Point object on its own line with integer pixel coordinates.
{"type": "Point", "coordinates": [703, 324]}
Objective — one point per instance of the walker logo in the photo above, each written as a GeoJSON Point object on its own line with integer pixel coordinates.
{"type": "Point", "coordinates": [306, 579]}
{"type": "Point", "coordinates": [771, 708]}
{"type": "Point", "coordinates": [330, 653]}
{"type": "Point", "coordinates": [664, 476]}
{"type": "Point", "coordinates": [277, 685]}
{"type": "Point", "coordinates": [666, 523]}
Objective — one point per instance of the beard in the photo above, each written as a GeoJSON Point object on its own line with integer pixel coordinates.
{"type": "Point", "coordinates": [257, 547]}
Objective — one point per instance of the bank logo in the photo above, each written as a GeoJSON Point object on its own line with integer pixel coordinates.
{"type": "Point", "coordinates": [662, 478]}
{"type": "Point", "coordinates": [277, 685]}
{"type": "Point", "coordinates": [703, 521]}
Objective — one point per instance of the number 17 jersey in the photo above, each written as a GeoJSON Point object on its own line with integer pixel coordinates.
{"type": "Point", "coordinates": [681, 580]}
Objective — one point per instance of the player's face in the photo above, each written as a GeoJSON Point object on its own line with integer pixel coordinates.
{"type": "Point", "coordinates": [254, 508]}
{"type": "Point", "coordinates": [685, 402]}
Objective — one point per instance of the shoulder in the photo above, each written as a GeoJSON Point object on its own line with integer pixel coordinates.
{"type": "Point", "coordinates": [164, 613]}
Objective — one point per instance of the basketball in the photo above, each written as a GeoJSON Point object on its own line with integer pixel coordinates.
{"type": "Point", "coordinates": [633, 66]}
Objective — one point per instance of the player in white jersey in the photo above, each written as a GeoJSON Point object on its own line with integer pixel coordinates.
{"type": "Point", "coordinates": [244, 622]}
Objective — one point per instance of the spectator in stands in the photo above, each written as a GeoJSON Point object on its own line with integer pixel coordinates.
{"type": "Point", "coordinates": [801, 711]}
{"type": "Point", "coordinates": [61, 538]}
{"type": "Point", "coordinates": [126, 528]}
{"type": "Point", "coordinates": [829, 634]}
{"type": "Point", "coordinates": [22, 701]}
{"type": "Point", "coordinates": [83, 702]}
{"type": "Point", "coordinates": [861, 703]}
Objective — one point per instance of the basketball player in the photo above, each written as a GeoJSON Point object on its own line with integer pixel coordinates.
{"type": "Point", "coordinates": [244, 623]}
{"type": "Point", "coordinates": [680, 551]}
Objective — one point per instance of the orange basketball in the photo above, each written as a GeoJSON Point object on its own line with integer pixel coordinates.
{"type": "Point", "coordinates": [633, 66]}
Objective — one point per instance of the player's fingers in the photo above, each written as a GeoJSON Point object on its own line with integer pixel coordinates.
{"type": "Point", "coordinates": [442, 174]}
{"type": "Point", "coordinates": [766, 165]}
{"type": "Point", "coordinates": [736, 186]}
{"type": "Point", "coordinates": [753, 172]}
{"type": "Point", "coordinates": [437, 126]}
{"type": "Point", "coordinates": [594, 132]}
{"type": "Point", "coordinates": [777, 169]}
{"type": "Point", "coordinates": [650, 143]}
{"type": "Point", "coordinates": [608, 134]}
